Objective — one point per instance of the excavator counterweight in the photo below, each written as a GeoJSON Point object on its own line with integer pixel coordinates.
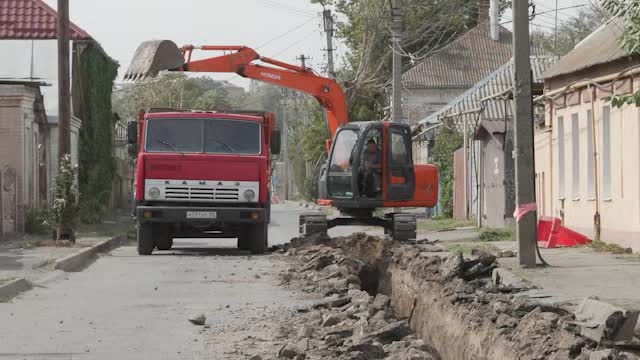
{"type": "Point", "coordinates": [154, 56]}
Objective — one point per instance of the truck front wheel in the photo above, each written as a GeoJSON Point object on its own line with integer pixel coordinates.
{"type": "Point", "coordinates": [259, 238]}
{"type": "Point", "coordinates": [163, 235]}
{"type": "Point", "coordinates": [145, 239]}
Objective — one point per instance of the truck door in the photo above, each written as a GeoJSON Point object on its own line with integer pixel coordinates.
{"type": "Point", "coordinates": [399, 175]}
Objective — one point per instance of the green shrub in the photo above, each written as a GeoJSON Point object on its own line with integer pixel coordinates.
{"type": "Point", "coordinates": [493, 234]}
{"type": "Point", "coordinates": [62, 216]}
{"type": "Point", "coordinates": [34, 222]}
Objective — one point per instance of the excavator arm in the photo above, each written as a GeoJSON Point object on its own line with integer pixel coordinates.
{"type": "Point", "coordinates": [155, 56]}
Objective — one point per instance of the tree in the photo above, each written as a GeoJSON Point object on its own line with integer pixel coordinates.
{"type": "Point", "coordinates": [364, 27]}
{"type": "Point", "coordinates": [629, 10]}
{"type": "Point", "coordinates": [447, 141]}
{"type": "Point", "coordinates": [570, 32]}
{"type": "Point", "coordinates": [171, 90]}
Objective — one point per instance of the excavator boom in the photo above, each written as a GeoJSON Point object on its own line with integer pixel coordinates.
{"type": "Point", "coordinates": [151, 57]}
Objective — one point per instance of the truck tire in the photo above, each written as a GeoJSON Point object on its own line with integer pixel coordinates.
{"type": "Point", "coordinates": [163, 236]}
{"type": "Point", "coordinates": [259, 238]}
{"type": "Point", "coordinates": [244, 239]}
{"type": "Point", "coordinates": [145, 239]}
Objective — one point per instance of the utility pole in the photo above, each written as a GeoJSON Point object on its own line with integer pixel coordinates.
{"type": "Point", "coordinates": [396, 29]}
{"type": "Point", "coordinates": [64, 93]}
{"type": "Point", "coordinates": [523, 130]}
{"type": "Point", "coordinates": [285, 142]}
{"type": "Point", "coordinates": [465, 167]}
{"type": "Point", "coordinates": [328, 28]}
{"type": "Point", "coordinates": [303, 61]}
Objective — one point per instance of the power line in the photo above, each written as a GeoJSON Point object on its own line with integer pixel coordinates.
{"type": "Point", "coordinates": [549, 11]}
{"type": "Point", "coordinates": [282, 6]}
{"type": "Point", "coordinates": [286, 32]}
{"type": "Point", "coordinates": [278, 37]}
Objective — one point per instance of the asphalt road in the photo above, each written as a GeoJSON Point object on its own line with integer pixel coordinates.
{"type": "Point", "coordinates": [125, 306]}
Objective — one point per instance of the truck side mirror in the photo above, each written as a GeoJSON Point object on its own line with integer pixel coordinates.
{"type": "Point", "coordinates": [132, 132]}
{"type": "Point", "coordinates": [276, 141]}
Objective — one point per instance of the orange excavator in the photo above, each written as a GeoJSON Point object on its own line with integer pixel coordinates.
{"type": "Point", "coordinates": [369, 164]}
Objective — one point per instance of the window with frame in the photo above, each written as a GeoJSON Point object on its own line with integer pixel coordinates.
{"type": "Point", "coordinates": [591, 187]}
{"type": "Point", "coordinates": [606, 152]}
{"type": "Point", "coordinates": [575, 156]}
{"type": "Point", "coordinates": [561, 169]}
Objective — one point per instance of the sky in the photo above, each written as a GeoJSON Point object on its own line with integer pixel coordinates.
{"type": "Point", "coordinates": [283, 29]}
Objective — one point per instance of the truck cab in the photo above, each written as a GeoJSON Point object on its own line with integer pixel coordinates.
{"type": "Point", "coordinates": [203, 175]}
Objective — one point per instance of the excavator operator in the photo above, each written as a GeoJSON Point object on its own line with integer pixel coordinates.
{"type": "Point", "coordinates": [371, 171]}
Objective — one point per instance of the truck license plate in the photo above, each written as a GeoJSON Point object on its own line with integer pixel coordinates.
{"type": "Point", "coordinates": [201, 215]}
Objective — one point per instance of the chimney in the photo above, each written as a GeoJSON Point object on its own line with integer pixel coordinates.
{"type": "Point", "coordinates": [483, 11]}
{"type": "Point", "coordinates": [494, 20]}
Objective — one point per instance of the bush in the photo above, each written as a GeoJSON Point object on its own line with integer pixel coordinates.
{"type": "Point", "coordinates": [446, 143]}
{"type": "Point", "coordinates": [34, 223]}
{"type": "Point", "coordinates": [493, 234]}
{"type": "Point", "coordinates": [61, 217]}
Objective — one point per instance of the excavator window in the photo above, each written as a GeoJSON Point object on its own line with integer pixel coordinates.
{"type": "Point", "coordinates": [340, 166]}
{"type": "Point", "coordinates": [370, 167]}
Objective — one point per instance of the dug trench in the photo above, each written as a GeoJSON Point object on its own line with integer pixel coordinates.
{"type": "Point", "coordinates": [386, 300]}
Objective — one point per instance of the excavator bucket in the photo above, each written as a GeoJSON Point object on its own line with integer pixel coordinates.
{"type": "Point", "coordinates": [151, 57]}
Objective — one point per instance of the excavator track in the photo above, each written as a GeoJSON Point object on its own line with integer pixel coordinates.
{"type": "Point", "coordinates": [398, 226]}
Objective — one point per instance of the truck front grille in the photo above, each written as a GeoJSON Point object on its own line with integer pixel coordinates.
{"type": "Point", "coordinates": [201, 193]}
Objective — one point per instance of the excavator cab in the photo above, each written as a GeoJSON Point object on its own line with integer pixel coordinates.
{"type": "Point", "coordinates": [370, 163]}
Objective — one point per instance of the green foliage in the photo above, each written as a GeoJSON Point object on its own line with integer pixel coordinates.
{"type": "Point", "coordinates": [61, 216]}
{"type": "Point", "coordinates": [444, 224]}
{"type": "Point", "coordinates": [495, 234]}
{"type": "Point", "coordinates": [97, 166]}
{"type": "Point", "coordinates": [570, 32]}
{"type": "Point", "coordinates": [34, 222]}
{"type": "Point", "coordinates": [363, 27]}
{"type": "Point", "coordinates": [447, 141]}
{"type": "Point", "coordinates": [601, 246]}
{"type": "Point", "coordinates": [307, 134]}
{"type": "Point", "coordinates": [629, 10]}
{"type": "Point", "coordinates": [173, 90]}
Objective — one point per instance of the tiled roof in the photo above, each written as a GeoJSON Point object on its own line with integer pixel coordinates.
{"type": "Point", "coordinates": [600, 47]}
{"type": "Point", "coordinates": [499, 81]}
{"type": "Point", "coordinates": [32, 20]}
{"type": "Point", "coordinates": [463, 62]}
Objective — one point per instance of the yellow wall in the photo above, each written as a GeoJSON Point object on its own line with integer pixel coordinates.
{"type": "Point", "coordinates": [620, 214]}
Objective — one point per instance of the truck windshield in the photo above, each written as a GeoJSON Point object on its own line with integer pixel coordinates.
{"type": "Point", "coordinates": [214, 136]}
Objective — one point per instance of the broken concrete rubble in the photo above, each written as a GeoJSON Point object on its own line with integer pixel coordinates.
{"type": "Point", "coordinates": [448, 299]}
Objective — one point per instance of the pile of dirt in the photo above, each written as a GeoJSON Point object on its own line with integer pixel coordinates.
{"type": "Point", "coordinates": [377, 291]}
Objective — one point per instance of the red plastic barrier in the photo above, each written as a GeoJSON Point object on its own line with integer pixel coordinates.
{"type": "Point", "coordinates": [552, 234]}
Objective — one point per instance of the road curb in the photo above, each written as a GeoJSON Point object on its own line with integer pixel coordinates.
{"type": "Point", "coordinates": [13, 288]}
{"type": "Point", "coordinates": [80, 259]}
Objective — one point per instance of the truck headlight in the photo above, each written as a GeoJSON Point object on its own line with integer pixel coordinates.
{"type": "Point", "coordinates": [154, 193]}
{"type": "Point", "coordinates": [249, 195]}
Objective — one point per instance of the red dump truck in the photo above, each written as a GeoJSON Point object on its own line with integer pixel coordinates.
{"type": "Point", "coordinates": [203, 174]}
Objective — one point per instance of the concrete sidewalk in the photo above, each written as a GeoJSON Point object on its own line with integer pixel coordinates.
{"type": "Point", "coordinates": [575, 273]}
{"type": "Point", "coordinates": [23, 256]}
{"type": "Point", "coordinates": [21, 259]}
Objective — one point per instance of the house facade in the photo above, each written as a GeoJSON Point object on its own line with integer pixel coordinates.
{"type": "Point", "coordinates": [29, 108]}
{"type": "Point", "coordinates": [22, 172]}
{"type": "Point", "coordinates": [440, 78]}
{"type": "Point", "coordinates": [587, 151]}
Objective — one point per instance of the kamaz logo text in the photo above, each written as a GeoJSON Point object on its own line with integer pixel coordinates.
{"type": "Point", "coordinates": [271, 76]}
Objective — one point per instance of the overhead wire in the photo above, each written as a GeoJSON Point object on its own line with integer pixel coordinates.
{"type": "Point", "coordinates": [278, 37]}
